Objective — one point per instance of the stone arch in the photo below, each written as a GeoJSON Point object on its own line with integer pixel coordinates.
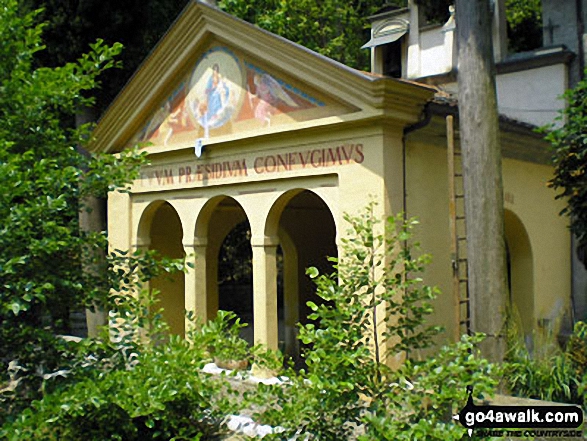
{"type": "Point", "coordinates": [276, 210]}
{"type": "Point", "coordinates": [146, 219]}
{"type": "Point", "coordinates": [160, 229]}
{"type": "Point", "coordinates": [217, 219]}
{"type": "Point", "coordinates": [520, 264]}
{"type": "Point", "coordinates": [306, 229]}
{"type": "Point", "coordinates": [203, 219]}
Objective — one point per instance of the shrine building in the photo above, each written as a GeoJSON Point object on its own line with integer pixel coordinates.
{"type": "Point", "coordinates": [253, 137]}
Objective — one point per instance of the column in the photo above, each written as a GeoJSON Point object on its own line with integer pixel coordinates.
{"type": "Point", "coordinates": [91, 220]}
{"type": "Point", "coordinates": [195, 280]}
{"type": "Point", "coordinates": [290, 296]}
{"type": "Point", "coordinates": [265, 291]}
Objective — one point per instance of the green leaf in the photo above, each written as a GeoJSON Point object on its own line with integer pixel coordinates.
{"type": "Point", "coordinates": [312, 272]}
{"type": "Point", "coordinates": [15, 307]}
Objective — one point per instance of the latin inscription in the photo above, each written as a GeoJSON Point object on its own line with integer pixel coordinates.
{"type": "Point", "coordinates": [203, 172]}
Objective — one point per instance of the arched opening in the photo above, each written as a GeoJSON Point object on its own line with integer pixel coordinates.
{"type": "Point", "coordinates": [520, 268]}
{"type": "Point", "coordinates": [235, 276]}
{"type": "Point", "coordinates": [165, 236]}
{"type": "Point", "coordinates": [230, 263]}
{"type": "Point", "coordinates": [307, 233]}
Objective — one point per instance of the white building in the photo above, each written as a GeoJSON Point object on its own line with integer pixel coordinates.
{"type": "Point", "coordinates": [529, 84]}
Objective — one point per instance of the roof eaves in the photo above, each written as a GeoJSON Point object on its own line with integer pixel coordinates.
{"type": "Point", "coordinates": [444, 104]}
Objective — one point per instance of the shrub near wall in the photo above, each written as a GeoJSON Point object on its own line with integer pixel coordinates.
{"type": "Point", "coordinates": [163, 396]}
{"type": "Point", "coordinates": [345, 391]}
{"type": "Point", "coordinates": [553, 374]}
{"type": "Point", "coordinates": [160, 392]}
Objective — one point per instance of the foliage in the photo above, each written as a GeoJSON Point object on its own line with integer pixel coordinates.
{"type": "Point", "coordinates": [523, 20]}
{"type": "Point", "coordinates": [334, 28]}
{"type": "Point", "coordinates": [346, 383]}
{"type": "Point", "coordinates": [137, 388]}
{"type": "Point", "coordinates": [71, 25]}
{"type": "Point", "coordinates": [576, 349]}
{"type": "Point", "coordinates": [524, 24]}
{"type": "Point", "coordinates": [519, 11]}
{"type": "Point", "coordinates": [570, 162]}
{"type": "Point", "coordinates": [221, 339]}
{"type": "Point", "coordinates": [44, 181]}
{"type": "Point", "coordinates": [55, 362]}
{"type": "Point", "coordinates": [553, 374]}
{"type": "Point", "coordinates": [420, 403]}
{"type": "Point", "coordinates": [223, 342]}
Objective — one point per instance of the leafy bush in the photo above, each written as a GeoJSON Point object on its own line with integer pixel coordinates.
{"type": "Point", "coordinates": [164, 396]}
{"type": "Point", "coordinates": [134, 387]}
{"type": "Point", "coordinates": [569, 159]}
{"type": "Point", "coordinates": [223, 341]}
{"type": "Point", "coordinates": [424, 396]}
{"type": "Point", "coordinates": [44, 180]}
{"type": "Point", "coordinates": [555, 374]}
{"type": "Point", "coordinates": [347, 384]}
{"type": "Point", "coordinates": [45, 366]}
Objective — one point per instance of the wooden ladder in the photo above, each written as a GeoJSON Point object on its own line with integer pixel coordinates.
{"type": "Point", "coordinates": [458, 234]}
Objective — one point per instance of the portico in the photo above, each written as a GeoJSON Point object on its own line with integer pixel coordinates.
{"type": "Point", "coordinates": [254, 137]}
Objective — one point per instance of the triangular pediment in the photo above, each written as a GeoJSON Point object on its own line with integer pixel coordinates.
{"type": "Point", "coordinates": [215, 76]}
{"type": "Point", "coordinates": [228, 93]}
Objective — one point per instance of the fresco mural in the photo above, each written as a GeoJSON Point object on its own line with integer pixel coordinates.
{"type": "Point", "coordinates": [214, 92]}
{"type": "Point", "coordinates": [224, 95]}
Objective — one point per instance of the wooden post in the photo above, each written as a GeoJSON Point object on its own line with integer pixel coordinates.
{"type": "Point", "coordinates": [479, 127]}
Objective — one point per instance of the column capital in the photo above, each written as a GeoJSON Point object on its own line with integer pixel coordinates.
{"type": "Point", "coordinates": [264, 241]}
{"type": "Point", "coordinates": [197, 242]}
{"type": "Point", "coordinates": [141, 244]}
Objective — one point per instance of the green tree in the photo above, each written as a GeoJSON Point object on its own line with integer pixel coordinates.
{"type": "Point", "coordinates": [523, 20]}
{"type": "Point", "coordinates": [570, 162]}
{"type": "Point", "coordinates": [73, 24]}
{"type": "Point", "coordinates": [334, 28]}
{"type": "Point", "coordinates": [42, 179]}
{"type": "Point", "coordinates": [524, 24]}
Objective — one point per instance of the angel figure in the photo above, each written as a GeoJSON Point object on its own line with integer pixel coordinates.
{"type": "Point", "coordinates": [269, 94]}
{"type": "Point", "coordinates": [177, 120]}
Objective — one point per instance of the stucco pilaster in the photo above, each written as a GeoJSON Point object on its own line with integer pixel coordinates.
{"type": "Point", "coordinates": [196, 295]}
{"type": "Point", "coordinates": [265, 291]}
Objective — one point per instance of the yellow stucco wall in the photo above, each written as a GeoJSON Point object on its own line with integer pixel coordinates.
{"type": "Point", "coordinates": [275, 120]}
{"type": "Point", "coordinates": [427, 199]}
{"type": "Point", "coordinates": [165, 237]}
{"type": "Point", "coordinates": [529, 198]}
{"type": "Point", "coordinates": [530, 208]}
{"type": "Point", "coordinates": [346, 169]}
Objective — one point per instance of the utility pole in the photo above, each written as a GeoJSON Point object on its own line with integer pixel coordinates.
{"type": "Point", "coordinates": [479, 135]}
